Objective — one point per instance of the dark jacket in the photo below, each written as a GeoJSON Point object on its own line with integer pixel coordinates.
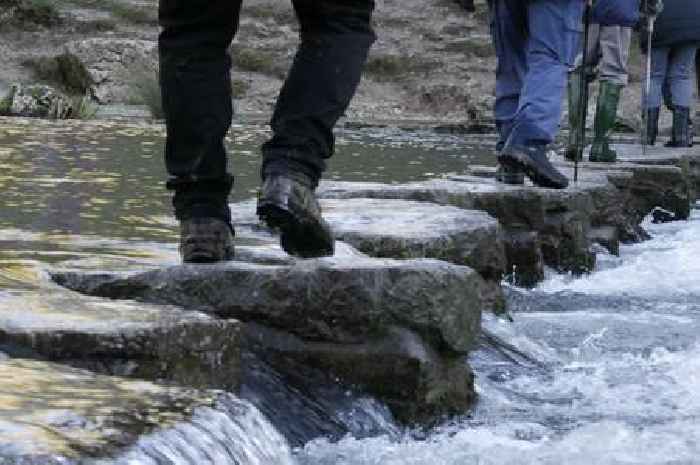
{"type": "Point", "coordinates": [678, 23]}
{"type": "Point", "coordinates": [615, 12]}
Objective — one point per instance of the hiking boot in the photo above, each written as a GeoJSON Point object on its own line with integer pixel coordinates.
{"type": "Point", "coordinates": [533, 161]}
{"type": "Point", "coordinates": [680, 132]}
{"type": "Point", "coordinates": [652, 125]}
{"type": "Point", "coordinates": [509, 175]}
{"type": "Point", "coordinates": [573, 147]}
{"type": "Point", "coordinates": [206, 240]}
{"type": "Point", "coordinates": [605, 117]}
{"type": "Point", "coordinates": [290, 206]}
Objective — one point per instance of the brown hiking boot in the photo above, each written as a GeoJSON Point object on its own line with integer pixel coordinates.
{"type": "Point", "coordinates": [206, 240]}
{"type": "Point", "coordinates": [290, 206]}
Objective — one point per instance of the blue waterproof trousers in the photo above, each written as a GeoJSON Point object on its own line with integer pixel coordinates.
{"type": "Point", "coordinates": [536, 44]}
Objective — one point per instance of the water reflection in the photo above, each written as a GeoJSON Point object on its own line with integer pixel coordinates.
{"type": "Point", "coordinates": [106, 179]}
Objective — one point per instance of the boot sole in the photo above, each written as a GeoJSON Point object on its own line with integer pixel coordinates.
{"type": "Point", "coordinates": [305, 238]}
{"type": "Point", "coordinates": [522, 162]}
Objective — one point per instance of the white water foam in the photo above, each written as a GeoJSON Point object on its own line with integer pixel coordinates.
{"type": "Point", "coordinates": [233, 433]}
{"type": "Point", "coordinates": [599, 401]}
{"type": "Point", "coordinates": [667, 265]}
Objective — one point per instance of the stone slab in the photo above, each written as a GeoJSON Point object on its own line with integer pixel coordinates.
{"type": "Point", "coordinates": [125, 338]}
{"type": "Point", "coordinates": [367, 321]}
{"type": "Point", "coordinates": [335, 299]}
{"type": "Point", "coordinates": [561, 218]}
{"type": "Point", "coordinates": [416, 381]}
{"type": "Point", "coordinates": [55, 414]}
{"type": "Point", "coordinates": [402, 229]}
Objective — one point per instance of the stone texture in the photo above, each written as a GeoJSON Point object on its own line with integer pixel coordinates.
{"type": "Point", "coordinates": [406, 229]}
{"type": "Point", "coordinates": [51, 413]}
{"type": "Point", "coordinates": [559, 217]}
{"type": "Point", "coordinates": [524, 256]}
{"type": "Point", "coordinates": [400, 330]}
{"type": "Point", "coordinates": [114, 65]}
{"type": "Point", "coordinates": [123, 338]}
{"type": "Point", "coordinates": [418, 383]}
{"type": "Point", "coordinates": [337, 299]}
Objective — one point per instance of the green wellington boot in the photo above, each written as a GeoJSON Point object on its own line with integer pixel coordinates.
{"type": "Point", "coordinates": [574, 91]}
{"type": "Point", "coordinates": [605, 116]}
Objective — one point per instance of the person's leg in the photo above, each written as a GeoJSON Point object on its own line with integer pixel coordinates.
{"type": "Point", "coordinates": [593, 56]}
{"type": "Point", "coordinates": [613, 76]}
{"type": "Point", "coordinates": [554, 33]}
{"type": "Point", "coordinates": [680, 72]}
{"type": "Point", "coordinates": [652, 103]}
{"type": "Point", "coordinates": [509, 35]}
{"type": "Point", "coordinates": [554, 36]}
{"type": "Point", "coordinates": [196, 92]}
{"type": "Point", "coordinates": [336, 36]}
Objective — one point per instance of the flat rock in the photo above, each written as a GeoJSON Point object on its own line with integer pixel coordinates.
{"type": "Point", "coordinates": [418, 382]}
{"type": "Point", "coordinates": [336, 299]}
{"type": "Point", "coordinates": [646, 186]}
{"type": "Point", "coordinates": [404, 229]}
{"type": "Point", "coordinates": [370, 322]}
{"type": "Point", "coordinates": [561, 218]}
{"type": "Point", "coordinates": [114, 65]}
{"type": "Point", "coordinates": [124, 338]}
{"type": "Point", "coordinates": [55, 414]}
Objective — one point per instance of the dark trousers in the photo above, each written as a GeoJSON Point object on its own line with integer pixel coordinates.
{"type": "Point", "coordinates": [196, 88]}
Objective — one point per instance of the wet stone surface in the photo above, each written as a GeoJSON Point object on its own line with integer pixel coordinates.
{"type": "Point", "coordinates": [369, 321]}
{"type": "Point", "coordinates": [51, 413]}
{"type": "Point", "coordinates": [559, 217]}
{"type": "Point", "coordinates": [402, 229]}
{"type": "Point", "coordinates": [122, 338]}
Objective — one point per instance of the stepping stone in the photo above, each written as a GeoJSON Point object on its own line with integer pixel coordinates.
{"type": "Point", "coordinates": [336, 299]}
{"type": "Point", "coordinates": [125, 338]}
{"type": "Point", "coordinates": [372, 323]}
{"type": "Point", "coordinates": [561, 218]}
{"type": "Point", "coordinates": [408, 229]}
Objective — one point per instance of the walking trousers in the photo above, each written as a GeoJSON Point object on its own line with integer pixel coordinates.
{"type": "Point", "coordinates": [195, 79]}
{"type": "Point", "coordinates": [536, 44]}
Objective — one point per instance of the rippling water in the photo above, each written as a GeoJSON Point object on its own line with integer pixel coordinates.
{"type": "Point", "coordinates": [604, 369]}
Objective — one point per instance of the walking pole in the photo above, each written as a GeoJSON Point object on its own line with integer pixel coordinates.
{"type": "Point", "coordinates": [651, 20]}
{"type": "Point", "coordinates": [584, 89]}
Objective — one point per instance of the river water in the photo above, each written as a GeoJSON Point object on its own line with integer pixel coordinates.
{"type": "Point", "coordinates": [603, 369]}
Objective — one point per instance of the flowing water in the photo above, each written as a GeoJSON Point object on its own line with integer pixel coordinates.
{"type": "Point", "coordinates": [603, 369]}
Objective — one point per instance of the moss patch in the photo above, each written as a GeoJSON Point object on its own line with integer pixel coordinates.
{"type": "Point", "coordinates": [65, 71]}
{"type": "Point", "coordinates": [387, 68]}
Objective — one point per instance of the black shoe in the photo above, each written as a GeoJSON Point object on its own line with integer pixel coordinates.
{"type": "Point", "coordinates": [291, 206]}
{"type": "Point", "coordinates": [206, 240]}
{"type": "Point", "coordinates": [533, 161]}
{"type": "Point", "coordinates": [680, 132]}
{"type": "Point", "coordinates": [508, 175]}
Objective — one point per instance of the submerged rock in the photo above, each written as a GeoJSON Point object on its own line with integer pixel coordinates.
{"type": "Point", "coordinates": [123, 338]}
{"type": "Point", "coordinates": [52, 413]}
{"type": "Point", "coordinates": [36, 101]}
